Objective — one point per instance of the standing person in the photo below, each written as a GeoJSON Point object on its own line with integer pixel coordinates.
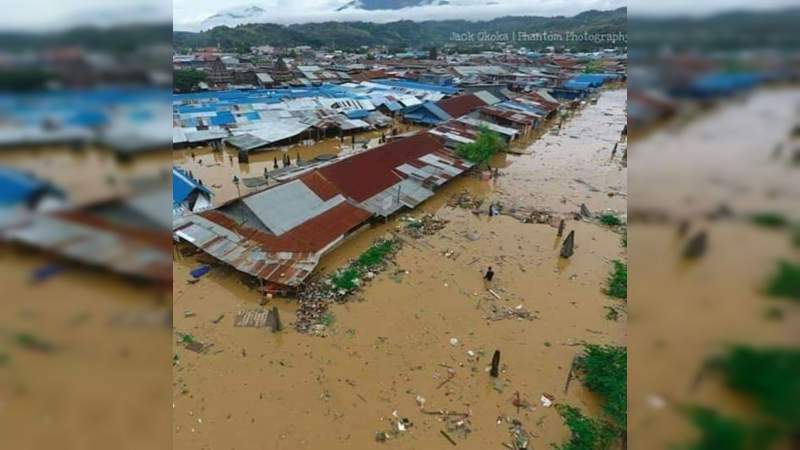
{"type": "Point", "coordinates": [487, 278]}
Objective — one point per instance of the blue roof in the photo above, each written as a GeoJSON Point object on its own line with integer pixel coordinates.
{"type": "Point", "coordinates": [183, 185]}
{"type": "Point", "coordinates": [17, 186]}
{"type": "Point", "coordinates": [593, 79]}
{"type": "Point", "coordinates": [357, 114]}
{"type": "Point", "coordinates": [427, 112]}
{"type": "Point", "coordinates": [577, 85]}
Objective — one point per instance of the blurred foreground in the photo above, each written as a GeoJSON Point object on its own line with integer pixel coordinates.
{"type": "Point", "coordinates": [85, 250]}
{"type": "Point", "coordinates": [714, 109]}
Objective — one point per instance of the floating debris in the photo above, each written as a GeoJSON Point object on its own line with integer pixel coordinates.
{"type": "Point", "coordinates": [426, 225]}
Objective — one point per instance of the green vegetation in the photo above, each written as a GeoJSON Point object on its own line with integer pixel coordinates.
{"type": "Point", "coordinates": [586, 433]}
{"type": "Point", "coordinates": [5, 359]}
{"type": "Point", "coordinates": [624, 238]}
{"type": "Point", "coordinates": [769, 376]}
{"type": "Point", "coordinates": [33, 342]}
{"type": "Point", "coordinates": [487, 144]}
{"type": "Point", "coordinates": [346, 279]}
{"type": "Point", "coordinates": [593, 67]}
{"type": "Point", "coordinates": [327, 319]}
{"type": "Point", "coordinates": [185, 338]}
{"type": "Point", "coordinates": [718, 432]}
{"type": "Point", "coordinates": [785, 283]}
{"type": "Point", "coordinates": [402, 34]}
{"type": "Point", "coordinates": [186, 80]}
{"type": "Point", "coordinates": [24, 80]}
{"type": "Point", "coordinates": [604, 371]}
{"type": "Point", "coordinates": [610, 219]}
{"type": "Point", "coordinates": [611, 313]}
{"type": "Point", "coordinates": [796, 236]}
{"type": "Point", "coordinates": [618, 281]}
{"type": "Point", "coordinates": [769, 219]}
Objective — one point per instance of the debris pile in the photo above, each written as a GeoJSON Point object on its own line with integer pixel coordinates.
{"type": "Point", "coordinates": [316, 296]}
{"type": "Point", "coordinates": [426, 225]}
{"type": "Point", "coordinates": [465, 200]}
{"type": "Point", "coordinates": [500, 312]}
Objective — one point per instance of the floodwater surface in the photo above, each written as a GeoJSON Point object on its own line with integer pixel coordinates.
{"type": "Point", "coordinates": [423, 331]}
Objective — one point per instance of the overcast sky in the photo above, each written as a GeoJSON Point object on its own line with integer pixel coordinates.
{"type": "Point", "coordinates": [187, 14]}
{"type": "Point", "coordinates": [43, 15]}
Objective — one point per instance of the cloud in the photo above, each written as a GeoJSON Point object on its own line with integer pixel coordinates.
{"type": "Point", "coordinates": [188, 14]}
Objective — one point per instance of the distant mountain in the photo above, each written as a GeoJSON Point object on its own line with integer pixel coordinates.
{"type": "Point", "coordinates": [234, 16]}
{"type": "Point", "coordinates": [405, 33]}
{"type": "Point", "coordinates": [372, 5]}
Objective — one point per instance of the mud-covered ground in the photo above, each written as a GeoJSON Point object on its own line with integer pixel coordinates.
{"type": "Point", "coordinates": [425, 320]}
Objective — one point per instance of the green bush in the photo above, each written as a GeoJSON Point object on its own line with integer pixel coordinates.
{"type": "Point", "coordinates": [769, 219]}
{"type": "Point", "coordinates": [618, 281]}
{"type": "Point", "coordinates": [604, 371]}
{"type": "Point", "coordinates": [717, 432]}
{"type": "Point", "coordinates": [486, 144]}
{"type": "Point", "coordinates": [610, 220]}
{"type": "Point", "coordinates": [770, 377]}
{"type": "Point", "coordinates": [585, 433]}
{"type": "Point", "coordinates": [785, 282]}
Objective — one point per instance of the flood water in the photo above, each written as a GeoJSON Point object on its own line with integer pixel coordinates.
{"type": "Point", "coordinates": [685, 312]}
{"type": "Point", "coordinates": [392, 342]}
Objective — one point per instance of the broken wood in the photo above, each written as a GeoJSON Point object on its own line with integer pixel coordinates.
{"type": "Point", "coordinates": [569, 374]}
{"type": "Point", "coordinates": [447, 436]}
{"type": "Point", "coordinates": [496, 295]}
{"type": "Point", "coordinates": [561, 228]}
{"type": "Point", "coordinates": [276, 320]}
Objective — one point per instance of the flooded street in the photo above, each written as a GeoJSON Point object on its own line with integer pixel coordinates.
{"type": "Point", "coordinates": [574, 165]}
{"type": "Point", "coordinates": [723, 161]}
{"type": "Point", "coordinates": [424, 328]}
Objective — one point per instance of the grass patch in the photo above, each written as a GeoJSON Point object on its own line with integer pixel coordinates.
{"type": "Point", "coordinates": [769, 219]}
{"type": "Point", "coordinates": [717, 432]}
{"type": "Point", "coordinates": [375, 255]}
{"type": "Point", "coordinates": [611, 313]}
{"type": "Point", "coordinates": [345, 279]}
{"type": "Point", "coordinates": [610, 219]}
{"type": "Point", "coordinates": [585, 433]}
{"type": "Point", "coordinates": [618, 281]}
{"type": "Point", "coordinates": [785, 283]}
{"type": "Point", "coordinates": [604, 371]}
{"type": "Point", "coordinates": [770, 377]}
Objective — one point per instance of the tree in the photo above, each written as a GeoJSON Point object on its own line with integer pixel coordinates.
{"type": "Point", "coordinates": [486, 144]}
{"type": "Point", "coordinates": [187, 80]}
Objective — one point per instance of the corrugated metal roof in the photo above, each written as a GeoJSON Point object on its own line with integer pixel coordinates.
{"type": "Point", "coordinates": [461, 105]}
{"type": "Point", "coordinates": [286, 206]}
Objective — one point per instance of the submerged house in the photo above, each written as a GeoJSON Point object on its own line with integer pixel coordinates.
{"type": "Point", "coordinates": [430, 113]}
{"type": "Point", "coordinates": [188, 194]}
{"type": "Point", "coordinates": [127, 236]}
{"type": "Point", "coordinates": [279, 234]}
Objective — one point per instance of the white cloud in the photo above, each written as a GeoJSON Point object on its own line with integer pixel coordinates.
{"type": "Point", "coordinates": [188, 14]}
{"type": "Point", "coordinates": [50, 15]}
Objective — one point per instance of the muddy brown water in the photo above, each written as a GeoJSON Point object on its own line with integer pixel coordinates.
{"type": "Point", "coordinates": [253, 389]}
{"type": "Point", "coordinates": [105, 381]}
{"type": "Point", "coordinates": [682, 313]}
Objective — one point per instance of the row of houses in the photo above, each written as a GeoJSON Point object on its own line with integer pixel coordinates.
{"type": "Point", "coordinates": [124, 234]}
{"type": "Point", "coordinates": [279, 234]}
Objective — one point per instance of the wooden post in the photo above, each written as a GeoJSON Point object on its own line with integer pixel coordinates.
{"type": "Point", "coordinates": [276, 321]}
{"type": "Point", "coordinates": [561, 228]}
{"type": "Point", "coordinates": [568, 248]}
{"type": "Point", "coordinates": [696, 247]}
{"type": "Point", "coordinates": [495, 372]}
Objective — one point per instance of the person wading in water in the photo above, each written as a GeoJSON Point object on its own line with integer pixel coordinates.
{"type": "Point", "coordinates": [487, 278]}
